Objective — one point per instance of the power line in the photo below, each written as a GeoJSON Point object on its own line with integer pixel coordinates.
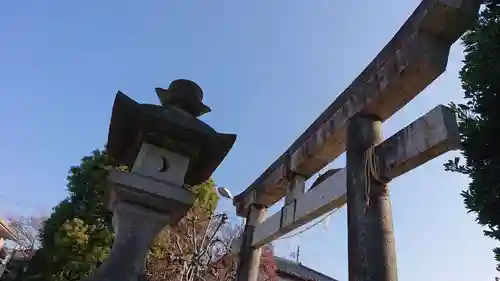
{"type": "Point", "coordinates": [20, 203]}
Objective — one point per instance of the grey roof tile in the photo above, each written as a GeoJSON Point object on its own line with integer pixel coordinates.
{"type": "Point", "coordinates": [291, 268]}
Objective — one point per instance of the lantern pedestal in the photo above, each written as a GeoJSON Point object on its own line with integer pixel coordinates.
{"type": "Point", "coordinates": [143, 202]}
{"type": "Point", "coordinates": [136, 227]}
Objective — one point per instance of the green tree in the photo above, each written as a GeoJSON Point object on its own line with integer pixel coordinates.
{"type": "Point", "coordinates": [479, 120]}
{"type": "Point", "coordinates": [86, 244]}
{"type": "Point", "coordinates": [206, 196]}
{"type": "Point", "coordinates": [83, 210]}
{"type": "Point", "coordinates": [78, 234]}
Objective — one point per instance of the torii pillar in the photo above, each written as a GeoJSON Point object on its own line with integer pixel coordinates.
{"type": "Point", "coordinates": [372, 251]}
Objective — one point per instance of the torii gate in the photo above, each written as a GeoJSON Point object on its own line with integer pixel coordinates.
{"type": "Point", "coordinates": [412, 59]}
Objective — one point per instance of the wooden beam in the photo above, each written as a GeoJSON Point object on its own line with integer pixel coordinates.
{"type": "Point", "coordinates": [413, 58]}
{"type": "Point", "coordinates": [429, 136]}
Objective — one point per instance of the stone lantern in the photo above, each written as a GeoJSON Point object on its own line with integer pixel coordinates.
{"type": "Point", "coordinates": [168, 150]}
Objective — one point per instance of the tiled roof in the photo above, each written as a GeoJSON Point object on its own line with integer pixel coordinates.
{"type": "Point", "coordinates": [289, 267]}
{"type": "Point", "coordinates": [297, 270]}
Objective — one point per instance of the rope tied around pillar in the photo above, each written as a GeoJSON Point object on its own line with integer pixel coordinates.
{"type": "Point", "coordinates": [372, 172]}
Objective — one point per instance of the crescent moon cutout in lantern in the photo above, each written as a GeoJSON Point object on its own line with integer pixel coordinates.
{"type": "Point", "coordinates": [163, 164]}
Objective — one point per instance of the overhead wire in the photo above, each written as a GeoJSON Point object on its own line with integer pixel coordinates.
{"type": "Point", "coordinates": [19, 203]}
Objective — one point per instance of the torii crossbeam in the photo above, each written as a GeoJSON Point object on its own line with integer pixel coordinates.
{"type": "Point", "coordinates": [429, 136]}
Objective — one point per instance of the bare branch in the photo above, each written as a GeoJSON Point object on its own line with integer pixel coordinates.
{"type": "Point", "coordinates": [26, 230]}
{"type": "Point", "coordinates": [197, 249]}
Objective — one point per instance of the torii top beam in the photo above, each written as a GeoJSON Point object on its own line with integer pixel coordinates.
{"type": "Point", "coordinates": [413, 58]}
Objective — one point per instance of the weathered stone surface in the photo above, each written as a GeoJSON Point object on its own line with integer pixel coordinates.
{"type": "Point", "coordinates": [150, 186]}
{"type": "Point", "coordinates": [149, 192]}
{"type": "Point", "coordinates": [170, 149]}
{"type": "Point", "coordinates": [370, 235]}
{"type": "Point", "coordinates": [249, 257]}
{"type": "Point", "coordinates": [426, 138]}
{"type": "Point", "coordinates": [172, 126]}
{"type": "Point", "coordinates": [135, 227]}
{"type": "Point", "coordinates": [412, 59]}
{"type": "Point", "coordinates": [296, 188]}
{"type": "Point", "coordinates": [429, 136]}
{"type": "Point", "coordinates": [143, 202]}
{"type": "Point", "coordinates": [161, 164]}
{"type": "Point", "coordinates": [183, 94]}
{"type": "Point", "coordinates": [326, 196]}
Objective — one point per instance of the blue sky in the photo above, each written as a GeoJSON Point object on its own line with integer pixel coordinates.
{"type": "Point", "coordinates": [268, 69]}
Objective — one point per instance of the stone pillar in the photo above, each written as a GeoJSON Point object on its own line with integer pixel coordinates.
{"type": "Point", "coordinates": [296, 188]}
{"type": "Point", "coordinates": [135, 227]}
{"type": "Point", "coordinates": [371, 248]}
{"type": "Point", "coordinates": [249, 260]}
{"type": "Point", "coordinates": [143, 202]}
